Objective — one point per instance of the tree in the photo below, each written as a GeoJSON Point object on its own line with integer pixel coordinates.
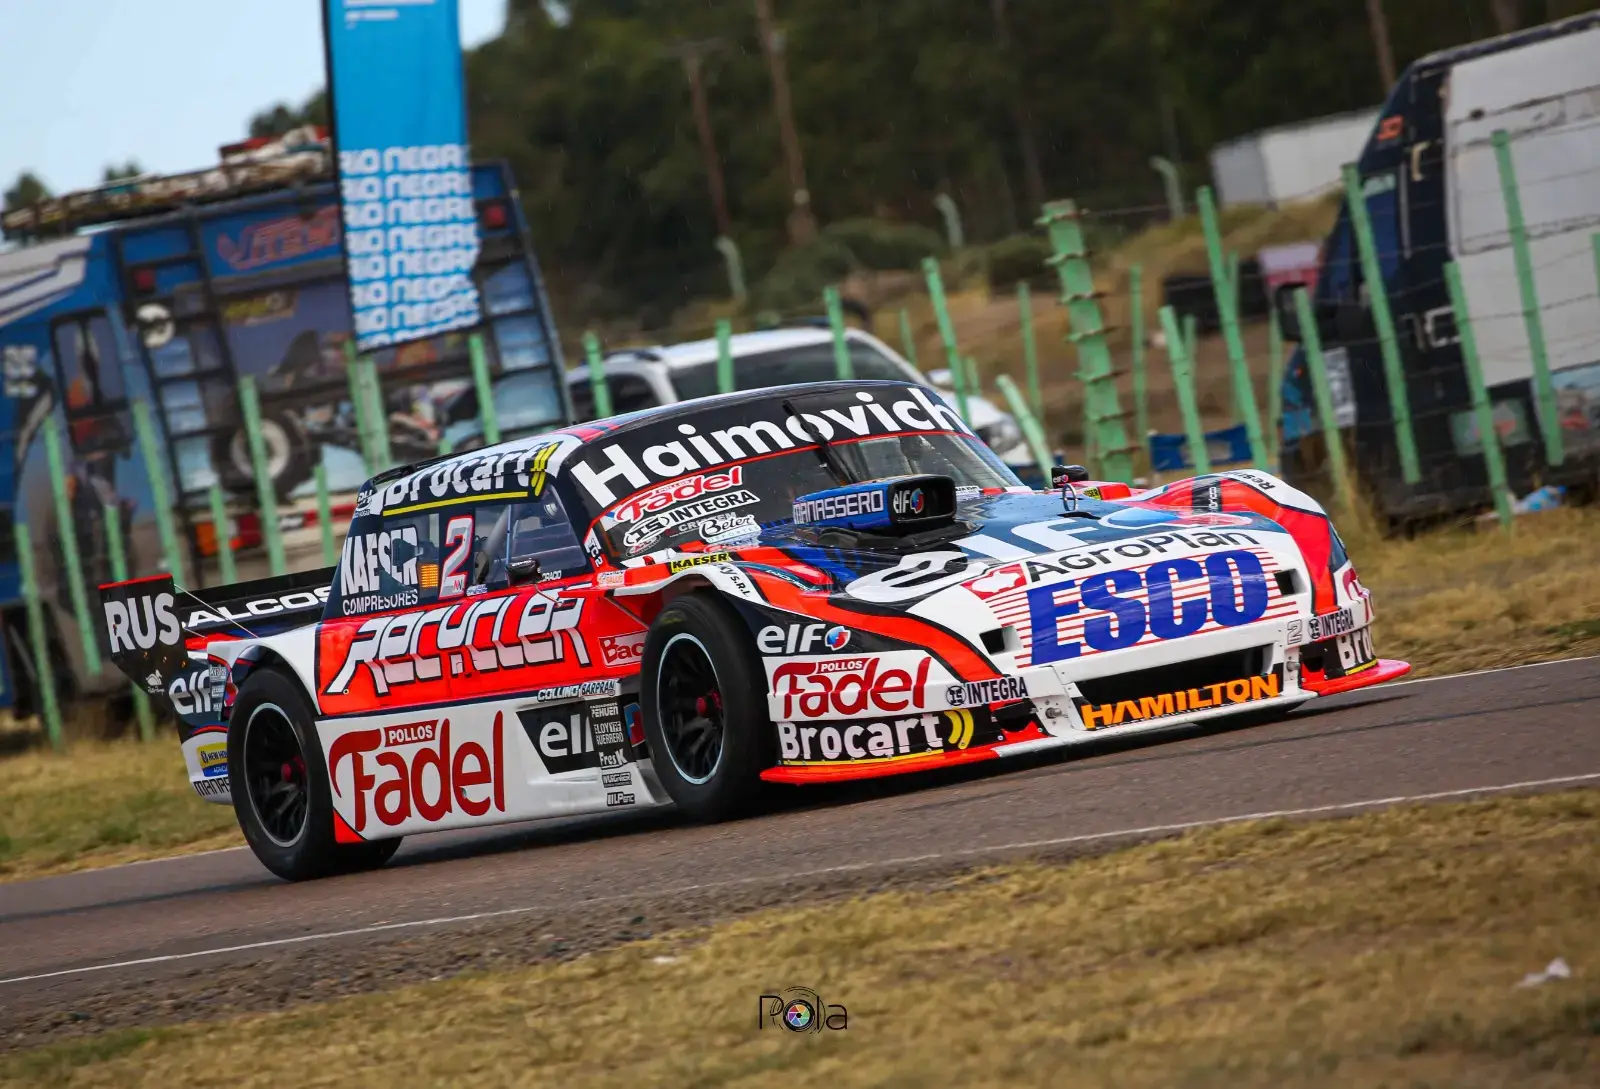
{"type": "Point", "coordinates": [26, 190]}
{"type": "Point", "coordinates": [282, 117]}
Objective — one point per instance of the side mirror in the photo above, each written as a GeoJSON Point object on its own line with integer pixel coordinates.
{"type": "Point", "coordinates": [522, 569]}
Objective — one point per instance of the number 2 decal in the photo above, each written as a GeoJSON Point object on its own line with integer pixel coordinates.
{"type": "Point", "coordinates": [457, 538]}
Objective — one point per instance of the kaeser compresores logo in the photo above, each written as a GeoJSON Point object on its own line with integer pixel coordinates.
{"type": "Point", "coordinates": [800, 1009]}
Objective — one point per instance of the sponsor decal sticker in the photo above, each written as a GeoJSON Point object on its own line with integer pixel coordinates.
{"type": "Point", "coordinates": [1169, 599]}
{"type": "Point", "coordinates": [674, 566]}
{"type": "Point", "coordinates": [213, 759]}
{"type": "Point", "coordinates": [994, 690]}
{"type": "Point", "coordinates": [211, 789]}
{"type": "Point", "coordinates": [622, 650]}
{"type": "Point", "coordinates": [517, 473]}
{"type": "Point", "coordinates": [884, 739]}
{"type": "Point", "coordinates": [729, 527]}
{"type": "Point", "coordinates": [849, 505]}
{"type": "Point", "coordinates": [576, 736]}
{"type": "Point", "coordinates": [1098, 716]}
{"type": "Point", "coordinates": [851, 687]}
{"type": "Point", "coordinates": [416, 772]}
{"type": "Point", "coordinates": [1328, 625]}
{"type": "Point", "coordinates": [790, 639]}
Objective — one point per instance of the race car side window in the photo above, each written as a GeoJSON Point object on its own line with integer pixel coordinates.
{"type": "Point", "coordinates": [531, 539]}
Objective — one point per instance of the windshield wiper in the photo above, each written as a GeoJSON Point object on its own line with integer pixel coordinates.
{"type": "Point", "coordinates": [825, 449]}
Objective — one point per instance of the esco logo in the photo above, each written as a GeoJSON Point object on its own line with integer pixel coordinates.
{"type": "Point", "coordinates": [1236, 594]}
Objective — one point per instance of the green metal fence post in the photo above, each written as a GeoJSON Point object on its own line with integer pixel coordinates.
{"type": "Point", "coordinates": [222, 530]}
{"type": "Point", "coordinates": [725, 380]}
{"type": "Point", "coordinates": [1030, 349]}
{"type": "Point", "coordinates": [1037, 443]}
{"type": "Point", "coordinates": [1141, 409]}
{"type": "Point", "coordinates": [907, 341]}
{"type": "Point", "coordinates": [1378, 298]}
{"type": "Point", "coordinates": [378, 413]}
{"type": "Point", "coordinates": [1274, 418]}
{"type": "Point", "coordinates": [49, 709]}
{"type": "Point", "coordinates": [1549, 420]}
{"type": "Point", "coordinates": [166, 517]}
{"type": "Point", "coordinates": [71, 558]}
{"type": "Point", "coordinates": [1171, 183]}
{"type": "Point", "coordinates": [358, 404]}
{"type": "Point", "coordinates": [974, 383]}
{"type": "Point", "coordinates": [1494, 459]}
{"type": "Point", "coordinates": [1183, 383]}
{"type": "Point", "coordinates": [1191, 339]}
{"type": "Point", "coordinates": [1070, 259]}
{"type": "Point", "coordinates": [947, 332]}
{"type": "Point", "coordinates": [1312, 342]}
{"type": "Point", "coordinates": [266, 494]}
{"type": "Point", "coordinates": [1233, 279]}
{"type": "Point", "coordinates": [488, 419]}
{"type": "Point", "coordinates": [601, 390]}
{"type": "Point", "coordinates": [730, 256]}
{"type": "Point", "coordinates": [117, 557]}
{"type": "Point", "coordinates": [330, 551]}
{"type": "Point", "coordinates": [1244, 393]}
{"type": "Point", "coordinates": [843, 369]}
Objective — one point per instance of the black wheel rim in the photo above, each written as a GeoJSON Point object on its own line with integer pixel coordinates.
{"type": "Point", "coordinates": [689, 702]}
{"type": "Point", "coordinates": [275, 775]}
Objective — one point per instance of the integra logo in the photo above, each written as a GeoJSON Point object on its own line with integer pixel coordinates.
{"type": "Point", "coordinates": [601, 470]}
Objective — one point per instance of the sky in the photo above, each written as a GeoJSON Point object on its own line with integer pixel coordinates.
{"type": "Point", "coordinates": [84, 83]}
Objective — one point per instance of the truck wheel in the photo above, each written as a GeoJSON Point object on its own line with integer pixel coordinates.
{"type": "Point", "coordinates": [280, 788]}
{"type": "Point", "coordinates": [705, 711]}
{"type": "Point", "coordinates": [292, 455]}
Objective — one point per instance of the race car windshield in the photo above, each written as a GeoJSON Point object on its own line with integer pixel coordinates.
{"type": "Point", "coordinates": [726, 503]}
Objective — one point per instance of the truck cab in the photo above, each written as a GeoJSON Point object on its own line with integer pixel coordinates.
{"type": "Point", "coordinates": [168, 290]}
{"type": "Point", "coordinates": [1433, 195]}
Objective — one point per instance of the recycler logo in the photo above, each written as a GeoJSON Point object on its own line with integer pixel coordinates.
{"type": "Point", "coordinates": [800, 1009]}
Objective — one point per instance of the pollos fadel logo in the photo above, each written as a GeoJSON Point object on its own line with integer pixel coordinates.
{"type": "Point", "coordinates": [678, 491]}
{"type": "Point", "coordinates": [837, 638]}
{"type": "Point", "coordinates": [417, 773]}
{"type": "Point", "coordinates": [848, 687]}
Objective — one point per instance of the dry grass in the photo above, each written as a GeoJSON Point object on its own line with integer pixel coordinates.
{"type": "Point", "coordinates": [1455, 600]}
{"type": "Point", "coordinates": [102, 803]}
{"type": "Point", "coordinates": [1379, 950]}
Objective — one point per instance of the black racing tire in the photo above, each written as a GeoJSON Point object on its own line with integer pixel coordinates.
{"type": "Point", "coordinates": [703, 693]}
{"type": "Point", "coordinates": [279, 780]}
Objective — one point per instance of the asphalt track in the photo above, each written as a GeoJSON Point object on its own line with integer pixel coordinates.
{"type": "Point", "coordinates": [128, 943]}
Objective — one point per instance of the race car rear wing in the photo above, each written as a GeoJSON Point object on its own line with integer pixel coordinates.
{"type": "Point", "coordinates": [156, 632]}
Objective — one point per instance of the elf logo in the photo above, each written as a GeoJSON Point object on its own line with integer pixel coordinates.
{"type": "Point", "coordinates": [801, 638]}
{"type": "Point", "coordinates": [910, 502]}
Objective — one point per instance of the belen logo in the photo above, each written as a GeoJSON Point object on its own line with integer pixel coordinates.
{"type": "Point", "coordinates": [429, 781]}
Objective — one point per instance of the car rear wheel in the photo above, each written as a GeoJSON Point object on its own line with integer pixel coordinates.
{"type": "Point", "coordinates": [705, 712]}
{"type": "Point", "coordinates": [279, 782]}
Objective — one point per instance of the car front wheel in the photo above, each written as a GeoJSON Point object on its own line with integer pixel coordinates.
{"type": "Point", "coordinates": [705, 712]}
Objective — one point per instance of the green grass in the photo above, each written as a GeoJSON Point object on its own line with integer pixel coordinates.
{"type": "Point", "coordinates": [1378, 950]}
{"type": "Point", "coordinates": [101, 803]}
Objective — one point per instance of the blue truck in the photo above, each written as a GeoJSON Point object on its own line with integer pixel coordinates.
{"type": "Point", "coordinates": [168, 290]}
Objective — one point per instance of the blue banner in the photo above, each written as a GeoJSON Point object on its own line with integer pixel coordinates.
{"type": "Point", "coordinates": [399, 122]}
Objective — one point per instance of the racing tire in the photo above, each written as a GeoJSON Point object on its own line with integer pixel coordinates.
{"type": "Point", "coordinates": [703, 693]}
{"type": "Point", "coordinates": [279, 781]}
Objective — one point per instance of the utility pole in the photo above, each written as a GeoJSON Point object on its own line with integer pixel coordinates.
{"type": "Point", "coordinates": [802, 224]}
{"type": "Point", "coordinates": [690, 53]}
{"type": "Point", "coordinates": [1380, 39]}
